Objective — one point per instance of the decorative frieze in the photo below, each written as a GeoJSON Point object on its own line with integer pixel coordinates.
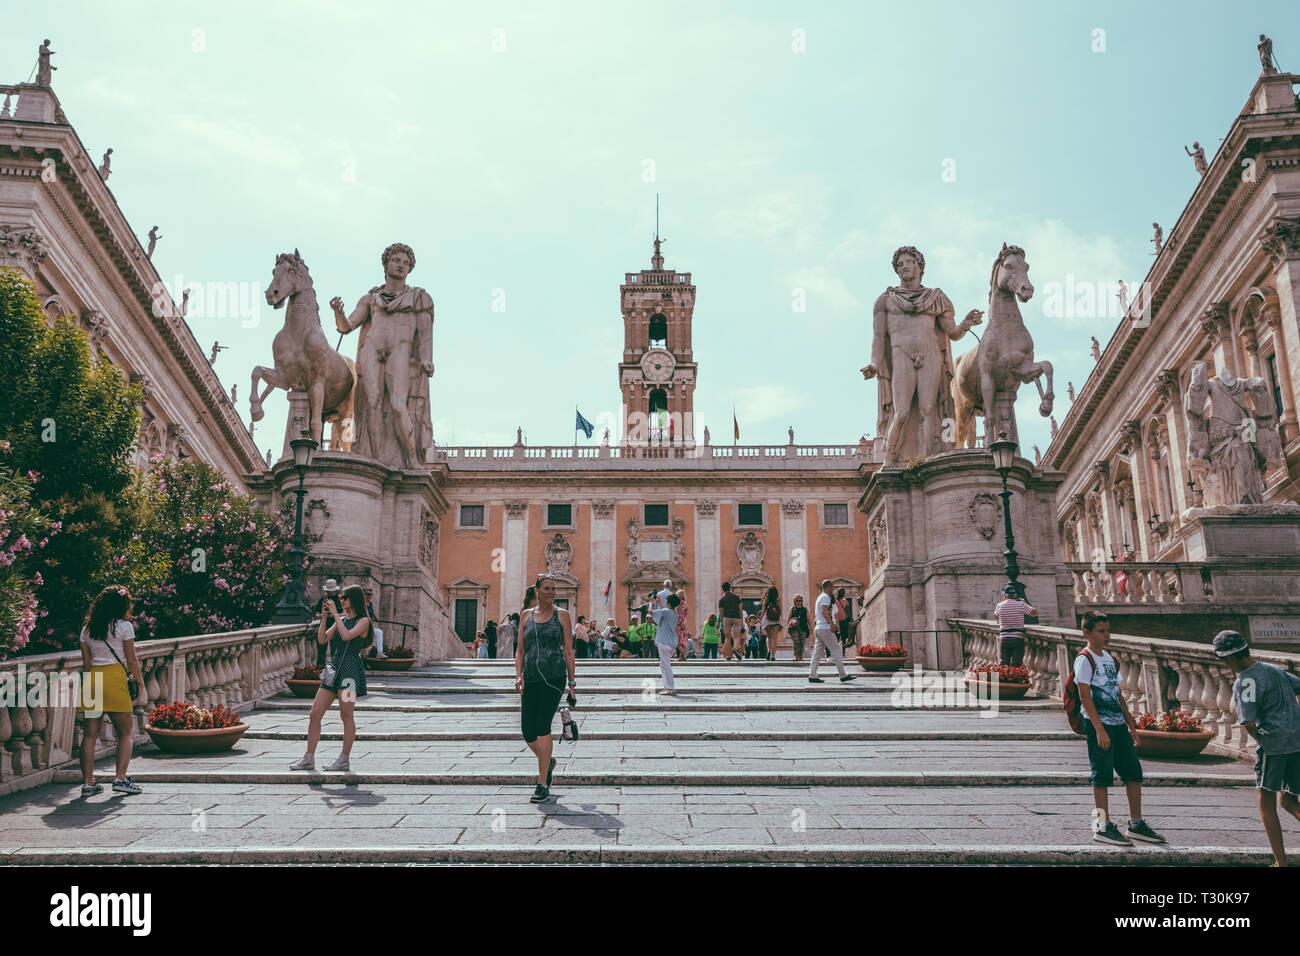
{"type": "Point", "coordinates": [559, 554]}
{"type": "Point", "coordinates": [603, 507]}
{"type": "Point", "coordinates": [1130, 436]}
{"type": "Point", "coordinates": [1167, 386]}
{"type": "Point", "coordinates": [792, 507]}
{"type": "Point", "coordinates": [751, 551]}
{"type": "Point", "coordinates": [1281, 240]}
{"type": "Point", "coordinates": [22, 247]}
{"type": "Point", "coordinates": [1215, 323]}
{"type": "Point", "coordinates": [985, 513]}
{"type": "Point", "coordinates": [316, 518]}
{"type": "Point", "coordinates": [516, 508]}
{"type": "Point", "coordinates": [706, 508]}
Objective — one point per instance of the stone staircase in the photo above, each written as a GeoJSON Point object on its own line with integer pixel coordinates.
{"type": "Point", "coordinates": [749, 763]}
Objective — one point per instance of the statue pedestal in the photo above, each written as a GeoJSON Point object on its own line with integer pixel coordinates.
{"type": "Point", "coordinates": [377, 526]}
{"type": "Point", "coordinates": [936, 543]}
{"type": "Point", "coordinates": [298, 421]}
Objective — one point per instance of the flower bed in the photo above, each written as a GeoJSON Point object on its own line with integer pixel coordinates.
{"type": "Point", "coordinates": [882, 657]}
{"type": "Point", "coordinates": [1004, 681]}
{"type": "Point", "coordinates": [305, 681]}
{"type": "Point", "coordinates": [1174, 734]}
{"type": "Point", "coordinates": [180, 727]}
{"type": "Point", "coordinates": [396, 659]}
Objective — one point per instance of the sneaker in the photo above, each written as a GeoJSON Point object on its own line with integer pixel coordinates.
{"type": "Point", "coordinates": [1110, 834]}
{"type": "Point", "coordinates": [540, 794]}
{"type": "Point", "coordinates": [308, 762]}
{"type": "Point", "coordinates": [815, 680]}
{"type": "Point", "coordinates": [340, 764]}
{"type": "Point", "coordinates": [848, 677]}
{"type": "Point", "coordinates": [125, 786]}
{"type": "Point", "coordinates": [550, 772]}
{"type": "Point", "coordinates": [667, 693]}
{"type": "Point", "coordinates": [1140, 831]}
{"type": "Point", "coordinates": [90, 789]}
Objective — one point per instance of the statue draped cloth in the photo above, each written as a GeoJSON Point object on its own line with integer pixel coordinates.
{"type": "Point", "coordinates": [929, 302]}
{"type": "Point", "coordinates": [377, 439]}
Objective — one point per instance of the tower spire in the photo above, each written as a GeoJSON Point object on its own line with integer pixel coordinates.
{"type": "Point", "coordinates": [657, 260]}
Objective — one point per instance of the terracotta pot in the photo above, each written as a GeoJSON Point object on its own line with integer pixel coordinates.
{"type": "Point", "coordinates": [988, 688]}
{"type": "Point", "coordinates": [389, 663]}
{"type": "Point", "coordinates": [1164, 743]}
{"type": "Point", "coordinates": [303, 688]}
{"type": "Point", "coordinates": [206, 741]}
{"type": "Point", "coordinates": [882, 664]}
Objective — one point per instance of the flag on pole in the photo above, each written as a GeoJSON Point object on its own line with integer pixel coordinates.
{"type": "Point", "coordinates": [735, 425]}
{"type": "Point", "coordinates": [607, 590]}
{"type": "Point", "coordinates": [583, 425]}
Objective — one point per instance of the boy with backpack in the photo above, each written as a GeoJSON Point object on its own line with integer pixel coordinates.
{"type": "Point", "coordinates": [1264, 697]}
{"type": "Point", "coordinates": [1097, 710]}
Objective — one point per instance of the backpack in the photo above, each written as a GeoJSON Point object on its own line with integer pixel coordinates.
{"type": "Point", "coordinates": [1070, 695]}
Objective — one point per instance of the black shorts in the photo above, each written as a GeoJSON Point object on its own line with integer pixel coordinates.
{"type": "Point", "coordinates": [540, 702]}
{"type": "Point", "coordinates": [1279, 773]}
{"type": "Point", "coordinates": [1120, 758]}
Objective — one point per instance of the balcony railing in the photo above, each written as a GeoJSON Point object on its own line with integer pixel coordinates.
{"type": "Point", "coordinates": [1154, 675]}
{"type": "Point", "coordinates": [689, 456]}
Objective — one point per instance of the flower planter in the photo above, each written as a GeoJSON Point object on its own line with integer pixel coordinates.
{"type": "Point", "coordinates": [206, 741]}
{"type": "Point", "coordinates": [303, 688]}
{"type": "Point", "coordinates": [1164, 743]}
{"type": "Point", "coordinates": [389, 663]}
{"type": "Point", "coordinates": [882, 664]}
{"type": "Point", "coordinates": [981, 686]}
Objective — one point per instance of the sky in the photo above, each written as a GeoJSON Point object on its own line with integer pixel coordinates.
{"type": "Point", "coordinates": [519, 147]}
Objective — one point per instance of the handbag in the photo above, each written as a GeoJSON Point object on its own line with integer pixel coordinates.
{"type": "Point", "coordinates": [132, 685]}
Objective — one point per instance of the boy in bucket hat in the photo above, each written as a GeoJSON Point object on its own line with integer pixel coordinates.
{"type": "Point", "coordinates": [1264, 697]}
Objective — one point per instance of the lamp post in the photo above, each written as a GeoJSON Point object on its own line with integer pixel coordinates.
{"type": "Point", "coordinates": [293, 608]}
{"type": "Point", "coordinates": [1004, 456]}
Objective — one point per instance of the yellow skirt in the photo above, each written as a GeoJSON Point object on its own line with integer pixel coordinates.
{"type": "Point", "coordinates": [104, 690]}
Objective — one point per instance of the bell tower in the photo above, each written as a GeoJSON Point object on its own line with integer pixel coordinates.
{"type": "Point", "coordinates": [657, 374]}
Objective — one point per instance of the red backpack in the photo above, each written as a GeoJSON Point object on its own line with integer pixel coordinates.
{"type": "Point", "coordinates": [1070, 696]}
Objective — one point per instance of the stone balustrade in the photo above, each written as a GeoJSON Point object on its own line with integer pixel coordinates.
{"type": "Point", "coordinates": [1155, 675]}
{"type": "Point", "coordinates": [1142, 582]}
{"type": "Point", "coordinates": [38, 734]}
{"type": "Point", "coordinates": [10, 103]}
{"type": "Point", "coordinates": [687, 456]}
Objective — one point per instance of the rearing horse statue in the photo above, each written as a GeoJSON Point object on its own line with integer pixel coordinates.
{"type": "Point", "coordinates": [1005, 356]}
{"type": "Point", "coordinates": [303, 357]}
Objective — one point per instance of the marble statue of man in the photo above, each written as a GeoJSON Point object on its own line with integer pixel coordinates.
{"type": "Point", "coordinates": [1198, 157]}
{"type": "Point", "coordinates": [394, 362]}
{"type": "Point", "coordinates": [105, 168]}
{"type": "Point", "coordinates": [910, 353]}
{"type": "Point", "coordinates": [1158, 239]}
{"type": "Point", "coordinates": [43, 67]}
{"type": "Point", "coordinates": [1096, 349]}
{"type": "Point", "coordinates": [1230, 439]}
{"type": "Point", "coordinates": [1265, 48]}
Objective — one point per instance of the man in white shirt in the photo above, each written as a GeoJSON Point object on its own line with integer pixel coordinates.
{"type": "Point", "coordinates": [662, 596]}
{"type": "Point", "coordinates": [824, 636]}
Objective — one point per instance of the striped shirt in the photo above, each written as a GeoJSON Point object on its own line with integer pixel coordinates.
{"type": "Point", "coordinates": [1011, 614]}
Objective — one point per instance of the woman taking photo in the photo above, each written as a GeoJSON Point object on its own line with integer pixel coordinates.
{"type": "Point", "coordinates": [772, 620]}
{"type": "Point", "coordinates": [543, 660]}
{"type": "Point", "coordinates": [348, 633]}
{"type": "Point", "coordinates": [107, 658]}
{"type": "Point", "coordinates": [798, 625]}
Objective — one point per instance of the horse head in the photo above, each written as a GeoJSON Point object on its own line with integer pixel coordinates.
{"type": "Point", "coordinates": [288, 278]}
{"type": "Point", "coordinates": [1011, 272]}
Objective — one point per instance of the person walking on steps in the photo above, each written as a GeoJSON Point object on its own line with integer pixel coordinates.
{"type": "Point", "coordinates": [771, 620]}
{"type": "Point", "coordinates": [348, 633]}
{"type": "Point", "coordinates": [798, 626]}
{"type": "Point", "coordinates": [543, 659]}
{"type": "Point", "coordinates": [665, 619]}
{"type": "Point", "coordinates": [107, 660]}
{"type": "Point", "coordinates": [825, 638]}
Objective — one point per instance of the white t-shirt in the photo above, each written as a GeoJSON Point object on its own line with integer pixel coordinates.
{"type": "Point", "coordinates": [823, 611]}
{"type": "Point", "coordinates": [100, 655]}
{"type": "Point", "coordinates": [662, 596]}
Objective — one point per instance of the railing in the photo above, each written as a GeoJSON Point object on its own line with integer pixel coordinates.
{"type": "Point", "coordinates": [390, 627]}
{"type": "Point", "coordinates": [10, 106]}
{"type": "Point", "coordinates": [1155, 675]}
{"type": "Point", "coordinates": [39, 726]}
{"type": "Point", "coordinates": [631, 456]}
{"type": "Point", "coordinates": [650, 277]}
{"type": "Point", "coordinates": [1142, 582]}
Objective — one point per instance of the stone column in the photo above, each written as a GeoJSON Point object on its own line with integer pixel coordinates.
{"type": "Point", "coordinates": [1141, 489]}
{"type": "Point", "coordinates": [708, 561]}
{"type": "Point", "coordinates": [794, 541]}
{"type": "Point", "coordinates": [603, 568]}
{"type": "Point", "coordinates": [298, 422]}
{"type": "Point", "coordinates": [514, 539]}
{"type": "Point", "coordinates": [1285, 382]}
{"type": "Point", "coordinates": [1282, 243]}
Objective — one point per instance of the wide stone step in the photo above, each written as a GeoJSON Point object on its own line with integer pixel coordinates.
{"type": "Point", "coordinates": [703, 703]}
{"type": "Point", "coordinates": [335, 822]}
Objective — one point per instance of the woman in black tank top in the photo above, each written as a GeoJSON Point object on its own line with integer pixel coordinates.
{"type": "Point", "coordinates": [543, 663]}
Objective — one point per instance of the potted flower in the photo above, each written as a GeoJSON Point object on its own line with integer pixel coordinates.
{"type": "Point", "coordinates": [882, 657]}
{"type": "Point", "coordinates": [1002, 681]}
{"type": "Point", "coordinates": [1173, 734]}
{"type": "Point", "coordinates": [182, 728]}
{"type": "Point", "coordinates": [305, 681]}
{"type": "Point", "coordinates": [394, 659]}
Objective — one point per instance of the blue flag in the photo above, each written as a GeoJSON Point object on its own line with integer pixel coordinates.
{"type": "Point", "coordinates": [584, 425]}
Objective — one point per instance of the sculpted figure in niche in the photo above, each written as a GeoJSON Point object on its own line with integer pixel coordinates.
{"type": "Point", "coordinates": [1232, 436]}
{"type": "Point", "coordinates": [911, 357]}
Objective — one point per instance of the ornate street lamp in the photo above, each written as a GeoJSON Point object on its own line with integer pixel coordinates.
{"type": "Point", "coordinates": [293, 608]}
{"type": "Point", "coordinates": [1004, 457]}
